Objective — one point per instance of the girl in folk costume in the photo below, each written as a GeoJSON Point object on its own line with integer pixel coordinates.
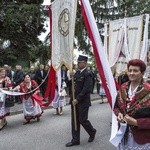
{"type": "Point", "coordinates": [133, 107]}
{"type": "Point", "coordinates": [31, 105]}
{"type": "Point", "coordinates": [59, 100]}
{"type": "Point", "coordinates": [5, 83]}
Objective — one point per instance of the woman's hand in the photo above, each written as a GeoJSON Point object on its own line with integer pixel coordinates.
{"type": "Point", "coordinates": [120, 118]}
{"type": "Point", "coordinates": [130, 120]}
{"type": "Point", "coordinates": [37, 92]}
{"type": "Point", "coordinates": [12, 90]}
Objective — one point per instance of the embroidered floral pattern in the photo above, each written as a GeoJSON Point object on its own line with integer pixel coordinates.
{"type": "Point", "coordinates": [130, 106]}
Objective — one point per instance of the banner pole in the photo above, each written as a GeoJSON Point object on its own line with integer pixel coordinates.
{"type": "Point", "coordinates": [74, 107]}
{"type": "Point", "coordinates": [73, 90]}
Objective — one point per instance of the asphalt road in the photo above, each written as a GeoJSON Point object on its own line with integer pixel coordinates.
{"type": "Point", "coordinates": [53, 132]}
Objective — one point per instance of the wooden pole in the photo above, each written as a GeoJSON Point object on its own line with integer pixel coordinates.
{"type": "Point", "coordinates": [74, 107]}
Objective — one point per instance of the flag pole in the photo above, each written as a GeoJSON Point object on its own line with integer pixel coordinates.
{"type": "Point", "coordinates": [74, 107]}
{"type": "Point", "coordinates": [73, 90]}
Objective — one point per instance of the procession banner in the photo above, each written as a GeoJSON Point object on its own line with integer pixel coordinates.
{"type": "Point", "coordinates": [101, 60]}
{"type": "Point", "coordinates": [134, 36]}
{"type": "Point", "coordinates": [116, 34]}
{"type": "Point", "coordinates": [131, 46]}
{"type": "Point", "coordinates": [105, 38]}
{"type": "Point", "coordinates": [144, 50]}
{"type": "Point", "coordinates": [63, 24]}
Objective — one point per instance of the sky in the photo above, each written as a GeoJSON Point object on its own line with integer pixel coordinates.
{"type": "Point", "coordinates": [47, 27]}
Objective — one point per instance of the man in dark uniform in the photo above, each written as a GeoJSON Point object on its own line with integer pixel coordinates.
{"type": "Point", "coordinates": [83, 85]}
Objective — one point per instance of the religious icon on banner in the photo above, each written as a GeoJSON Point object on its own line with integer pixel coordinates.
{"type": "Point", "coordinates": [63, 22]}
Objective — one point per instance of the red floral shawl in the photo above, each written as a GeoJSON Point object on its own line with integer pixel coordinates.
{"type": "Point", "coordinates": [140, 104]}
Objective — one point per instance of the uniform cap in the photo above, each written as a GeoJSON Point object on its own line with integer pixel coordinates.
{"type": "Point", "coordinates": [82, 58]}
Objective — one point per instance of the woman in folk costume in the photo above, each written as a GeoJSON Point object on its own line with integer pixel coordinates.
{"type": "Point", "coordinates": [5, 83]}
{"type": "Point", "coordinates": [31, 105]}
{"type": "Point", "coordinates": [133, 107]}
{"type": "Point", "coordinates": [59, 100]}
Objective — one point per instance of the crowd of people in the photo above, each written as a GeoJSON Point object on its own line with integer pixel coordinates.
{"type": "Point", "coordinates": [32, 82]}
{"type": "Point", "coordinates": [132, 106]}
{"type": "Point", "coordinates": [21, 82]}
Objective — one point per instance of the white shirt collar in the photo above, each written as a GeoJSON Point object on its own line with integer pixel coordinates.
{"type": "Point", "coordinates": [82, 69]}
{"type": "Point", "coordinates": [132, 93]}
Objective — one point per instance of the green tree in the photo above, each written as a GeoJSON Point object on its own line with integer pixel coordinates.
{"type": "Point", "coordinates": [104, 11]}
{"type": "Point", "coordinates": [21, 22]}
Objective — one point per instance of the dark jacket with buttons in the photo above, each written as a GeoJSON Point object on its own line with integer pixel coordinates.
{"type": "Point", "coordinates": [83, 86]}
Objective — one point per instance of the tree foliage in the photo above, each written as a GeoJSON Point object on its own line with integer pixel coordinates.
{"type": "Point", "coordinates": [21, 22]}
{"type": "Point", "coordinates": [104, 11]}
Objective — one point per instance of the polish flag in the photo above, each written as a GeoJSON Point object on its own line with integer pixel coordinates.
{"type": "Point", "coordinates": [101, 61]}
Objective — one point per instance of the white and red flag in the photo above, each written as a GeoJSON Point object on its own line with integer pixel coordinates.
{"type": "Point", "coordinates": [101, 60]}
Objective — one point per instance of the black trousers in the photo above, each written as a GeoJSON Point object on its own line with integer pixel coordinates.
{"type": "Point", "coordinates": [82, 119]}
{"type": "Point", "coordinates": [43, 88]}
